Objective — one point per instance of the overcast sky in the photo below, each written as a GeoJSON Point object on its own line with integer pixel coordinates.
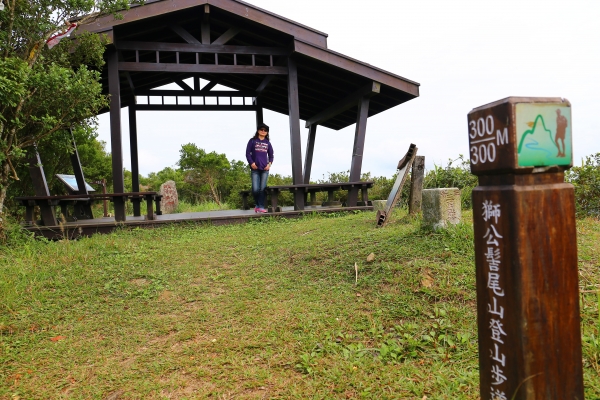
{"type": "Point", "coordinates": [463, 53]}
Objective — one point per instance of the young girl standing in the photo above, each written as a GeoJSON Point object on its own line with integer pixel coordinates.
{"type": "Point", "coordinates": [259, 154]}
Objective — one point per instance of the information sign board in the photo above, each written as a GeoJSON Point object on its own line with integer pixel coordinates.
{"type": "Point", "coordinates": [71, 183]}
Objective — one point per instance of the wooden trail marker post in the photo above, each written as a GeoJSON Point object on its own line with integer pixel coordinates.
{"type": "Point", "coordinates": [525, 250]}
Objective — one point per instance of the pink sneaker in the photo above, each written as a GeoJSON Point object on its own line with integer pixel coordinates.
{"type": "Point", "coordinates": [261, 210]}
{"type": "Point", "coordinates": [256, 209]}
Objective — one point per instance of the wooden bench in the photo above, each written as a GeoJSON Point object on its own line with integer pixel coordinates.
{"type": "Point", "coordinates": [63, 201]}
{"type": "Point", "coordinates": [245, 194]}
{"type": "Point", "coordinates": [312, 189]}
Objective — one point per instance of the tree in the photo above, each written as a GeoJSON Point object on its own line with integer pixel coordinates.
{"type": "Point", "coordinates": [202, 168]}
{"type": "Point", "coordinates": [43, 90]}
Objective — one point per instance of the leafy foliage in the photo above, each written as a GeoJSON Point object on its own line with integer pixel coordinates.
{"type": "Point", "coordinates": [456, 174]}
{"type": "Point", "coordinates": [44, 91]}
{"type": "Point", "coordinates": [203, 172]}
{"type": "Point", "coordinates": [586, 180]}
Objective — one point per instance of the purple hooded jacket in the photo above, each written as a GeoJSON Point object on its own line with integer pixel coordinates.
{"type": "Point", "coordinates": [259, 152]}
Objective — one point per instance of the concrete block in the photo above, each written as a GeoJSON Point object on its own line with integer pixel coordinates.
{"type": "Point", "coordinates": [441, 207]}
{"type": "Point", "coordinates": [379, 205]}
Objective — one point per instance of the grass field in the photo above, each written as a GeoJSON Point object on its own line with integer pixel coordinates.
{"type": "Point", "coordinates": [270, 309]}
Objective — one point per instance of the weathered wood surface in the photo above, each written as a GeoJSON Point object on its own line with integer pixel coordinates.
{"type": "Point", "coordinates": [40, 186]}
{"type": "Point", "coordinates": [526, 264]}
{"type": "Point", "coordinates": [404, 166]}
{"type": "Point", "coordinates": [295, 145]}
{"type": "Point", "coordinates": [416, 185]}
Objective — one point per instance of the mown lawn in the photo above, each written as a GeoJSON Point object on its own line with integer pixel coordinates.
{"type": "Point", "coordinates": [271, 309]}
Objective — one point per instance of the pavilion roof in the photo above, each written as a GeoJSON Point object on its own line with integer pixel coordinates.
{"type": "Point", "coordinates": [326, 79]}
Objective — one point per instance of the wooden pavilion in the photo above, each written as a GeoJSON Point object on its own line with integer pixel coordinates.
{"type": "Point", "coordinates": [267, 62]}
{"type": "Point", "coordinates": [270, 61]}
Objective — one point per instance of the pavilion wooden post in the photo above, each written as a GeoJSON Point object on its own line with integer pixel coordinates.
{"type": "Point", "coordinates": [357, 152]}
{"type": "Point", "coordinates": [133, 147]}
{"type": "Point", "coordinates": [259, 112]}
{"type": "Point", "coordinates": [40, 186]}
{"type": "Point", "coordinates": [525, 250]}
{"type": "Point", "coordinates": [310, 146]}
{"type": "Point", "coordinates": [115, 131]}
{"type": "Point", "coordinates": [417, 174]}
{"type": "Point", "coordinates": [294, 112]}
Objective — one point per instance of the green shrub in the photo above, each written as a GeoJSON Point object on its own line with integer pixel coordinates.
{"type": "Point", "coordinates": [456, 174]}
{"type": "Point", "coordinates": [12, 233]}
{"type": "Point", "coordinates": [586, 180]}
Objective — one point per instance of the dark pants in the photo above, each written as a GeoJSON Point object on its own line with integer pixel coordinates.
{"type": "Point", "coordinates": [259, 183]}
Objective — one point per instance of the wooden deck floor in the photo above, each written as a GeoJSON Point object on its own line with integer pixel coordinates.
{"type": "Point", "coordinates": [89, 227]}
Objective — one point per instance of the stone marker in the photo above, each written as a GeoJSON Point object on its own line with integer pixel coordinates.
{"type": "Point", "coordinates": [525, 250]}
{"type": "Point", "coordinates": [170, 200]}
{"type": "Point", "coordinates": [379, 205]}
{"type": "Point", "coordinates": [441, 207]}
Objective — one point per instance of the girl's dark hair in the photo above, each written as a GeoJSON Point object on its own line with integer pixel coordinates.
{"type": "Point", "coordinates": [261, 126]}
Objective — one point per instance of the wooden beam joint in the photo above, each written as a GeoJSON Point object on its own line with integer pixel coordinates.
{"type": "Point", "coordinates": [368, 91]}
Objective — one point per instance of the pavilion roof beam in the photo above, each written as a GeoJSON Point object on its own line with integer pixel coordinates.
{"type": "Point", "coordinates": [369, 90]}
{"type": "Point", "coordinates": [227, 36]}
{"type": "Point", "coordinates": [202, 48]}
{"type": "Point", "coordinates": [201, 68]}
{"type": "Point", "coordinates": [186, 88]}
{"type": "Point", "coordinates": [215, 93]}
{"type": "Point", "coordinates": [265, 82]}
{"type": "Point", "coordinates": [184, 34]}
{"type": "Point", "coordinates": [205, 25]}
{"type": "Point", "coordinates": [130, 81]}
{"type": "Point", "coordinates": [208, 87]}
{"type": "Point", "coordinates": [155, 80]}
{"type": "Point", "coordinates": [194, 107]}
{"type": "Point", "coordinates": [263, 85]}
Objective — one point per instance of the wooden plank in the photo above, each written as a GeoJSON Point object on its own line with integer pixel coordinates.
{"type": "Point", "coordinates": [310, 146]}
{"type": "Point", "coordinates": [404, 166]}
{"type": "Point", "coordinates": [227, 36]}
{"type": "Point", "coordinates": [205, 25]}
{"type": "Point", "coordinates": [76, 165]}
{"type": "Point", "coordinates": [130, 81]}
{"type": "Point", "coordinates": [201, 68]}
{"type": "Point", "coordinates": [369, 90]}
{"type": "Point", "coordinates": [416, 185]}
{"type": "Point", "coordinates": [294, 115]}
{"type": "Point", "coordinates": [263, 85]}
{"type": "Point", "coordinates": [184, 34]}
{"type": "Point", "coordinates": [133, 147]}
{"type": "Point", "coordinates": [358, 149]}
{"type": "Point", "coordinates": [186, 88]}
{"type": "Point", "coordinates": [259, 112]}
{"type": "Point", "coordinates": [82, 211]}
{"type": "Point", "coordinates": [202, 48]}
{"type": "Point", "coordinates": [194, 107]}
{"type": "Point", "coordinates": [40, 186]}
{"type": "Point", "coordinates": [199, 93]}
{"type": "Point", "coordinates": [210, 85]}
{"type": "Point", "coordinates": [115, 130]}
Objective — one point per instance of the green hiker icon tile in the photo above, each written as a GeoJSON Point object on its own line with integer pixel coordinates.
{"type": "Point", "coordinates": [543, 134]}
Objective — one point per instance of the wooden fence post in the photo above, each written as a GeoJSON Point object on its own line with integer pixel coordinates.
{"type": "Point", "coordinates": [416, 185]}
{"type": "Point", "coordinates": [525, 250]}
